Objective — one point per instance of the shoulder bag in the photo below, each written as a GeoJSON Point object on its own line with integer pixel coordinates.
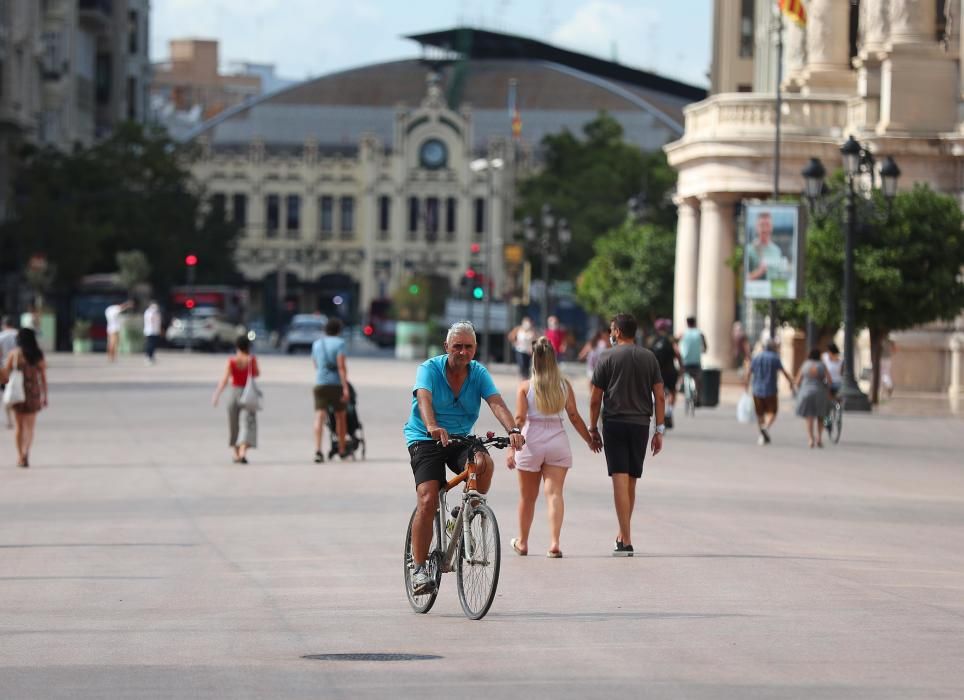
{"type": "Point", "coordinates": [14, 393]}
{"type": "Point", "coordinates": [250, 399]}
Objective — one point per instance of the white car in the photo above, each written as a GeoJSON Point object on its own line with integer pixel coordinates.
{"type": "Point", "coordinates": [203, 328]}
{"type": "Point", "coordinates": [304, 330]}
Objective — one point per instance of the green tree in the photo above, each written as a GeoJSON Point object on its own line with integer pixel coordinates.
{"type": "Point", "coordinates": [589, 181]}
{"type": "Point", "coordinates": [907, 268]}
{"type": "Point", "coordinates": [132, 191]}
{"type": "Point", "coordinates": [632, 271]}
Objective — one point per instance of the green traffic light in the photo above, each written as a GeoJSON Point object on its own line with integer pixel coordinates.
{"type": "Point", "coordinates": [478, 292]}
{"type": "Point", "coordinates": [413, 289]}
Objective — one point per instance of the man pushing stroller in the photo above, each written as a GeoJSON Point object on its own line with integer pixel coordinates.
{"type": "Point", "coordinates": [332, 391]}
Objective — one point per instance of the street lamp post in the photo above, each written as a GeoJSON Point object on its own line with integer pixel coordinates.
{"type": "Point", "coordinates": [551, 230]}
{"type": "Point", "coordinates": [489, 166]}
{"type": "Point", "coordinates": [856, 160]}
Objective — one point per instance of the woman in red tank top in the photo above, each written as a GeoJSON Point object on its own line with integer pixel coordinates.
{"type": "Point", "coordinates": [242, 423]}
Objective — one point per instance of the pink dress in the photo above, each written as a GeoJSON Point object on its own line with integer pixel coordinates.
{"type": "Point", "coordinates": [546, 439]}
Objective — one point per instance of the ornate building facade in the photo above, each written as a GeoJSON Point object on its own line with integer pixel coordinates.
{"type": "Point", "coordinates": [886, 71]}
{"type": "Point", "coordinates": [348, 184]}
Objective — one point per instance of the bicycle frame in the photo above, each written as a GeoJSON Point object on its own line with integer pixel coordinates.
{"type": "Point", "coordinates": [448, 543]}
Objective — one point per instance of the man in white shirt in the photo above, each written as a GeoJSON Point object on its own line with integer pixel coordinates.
{"type": "Point", "coordinates": [152, 330]}
{"type": "Point", "coordinates": [113, 315]}
{"type": "Point", "coordinates": [8, 341]}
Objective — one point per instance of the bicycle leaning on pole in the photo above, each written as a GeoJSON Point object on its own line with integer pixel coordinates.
{"type": "Point", "coordinates": [468, 543]}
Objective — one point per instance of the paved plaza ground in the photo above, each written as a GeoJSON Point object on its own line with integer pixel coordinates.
{"type": "Point", "coordinates": [136, 561]}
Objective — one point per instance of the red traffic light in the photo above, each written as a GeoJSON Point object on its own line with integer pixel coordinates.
{"type": "Point", "coordinates": [476, 247]}
{"type": "Point", "coordinates": [189, 303]}
{"type": "Point", "coordinates": [369, 330]}
{"type": "Point", "coordinates": [190, 260]}
{"type": "Point", "coordinates": [470, 273]}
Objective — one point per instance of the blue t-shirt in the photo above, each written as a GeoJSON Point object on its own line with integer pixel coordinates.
{"type": "Point", "coordinates": [691, 346]}
{"type": "Point", "coordinates": [456, 414]}
{"type": "Point", "coordinates": [330, 346]}
{"type": "Point", "coordinates": [765, 368]}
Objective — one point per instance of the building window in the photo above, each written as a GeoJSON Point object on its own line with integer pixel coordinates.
{"type": "Point", "coordinates": [293, 215]}
{"type": "Point", "coordinates": [326, 217]}
{"type": "Point", "coordinates": [412, 218]}
{"type": "Point", "coordinates": [746, 29]}
{"type": "Point", "coordinates": [218, 204]}
{"type": "Point", "coordinates": [239, 210]}
{"type": "Point", "coordinates": [103, 77]}
{"type": "Point", "coordinates": [347, 212]}
{"type": "Point", "coordinates": [384, 216]}
{"type": "Point", "coordinates": [132, 42]}
{"type": "Point", "coordinates": [450, 209]}
{"type": "Point", "coordinates": [940, 30]}
{"type": "Point", "coordinates": [744, 87]}
{"type": "Point", "coordinates": [272, 207]}
{"type": "Point", "coordinates": [479, 216]}
{"type": "Point", "coordinates": [431, 219]}
{"type": "Point", "coordinates": [132, 98]}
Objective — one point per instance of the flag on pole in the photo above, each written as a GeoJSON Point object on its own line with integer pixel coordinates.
{"type": "Point", "coordinates": [794, 10]}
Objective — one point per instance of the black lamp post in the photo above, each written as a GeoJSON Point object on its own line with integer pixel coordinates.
{"type": "Point", "coordinates": [856, 160]}
{"type": "Point", "coordinates": [552, 232]}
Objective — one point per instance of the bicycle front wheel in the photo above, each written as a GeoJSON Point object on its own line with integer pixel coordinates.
{"type": "Point", "coordinates": [422, 603]}
{"type": "Point", "coordinates": [477, 571]}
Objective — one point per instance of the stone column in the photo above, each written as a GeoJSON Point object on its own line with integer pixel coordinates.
{"type": "Point", "coordinates": [795, 53]}
{"type": "Point", "coordinates": [872, 38]}
{"type": "Point", "coordinates": [956, 385]}
{"type": "Point", "coordinates": [687, 260]}
{"type": "Point", "coordinates": [912, 21]}
{"type": "Point", "coordinates": [828, 48]}
{"type": "Point", "coordinates": [715, 305]}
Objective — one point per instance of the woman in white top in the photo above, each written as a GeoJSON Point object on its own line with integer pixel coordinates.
{"type": "Point", "coordinates": [546, 456]}
{"type": "Point", "coordinates": [834, 364]}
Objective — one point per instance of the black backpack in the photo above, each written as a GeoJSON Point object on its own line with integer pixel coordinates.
{"type": "Point", "coordinates": [663, 349]}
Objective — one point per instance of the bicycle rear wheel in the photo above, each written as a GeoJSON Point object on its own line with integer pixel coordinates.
{"type": "Point", "coordinates": [422, 603]}
{"type": "Point", "coordinates": [477, 572]}
{"type": "Point", "coordinates": [836, 417]}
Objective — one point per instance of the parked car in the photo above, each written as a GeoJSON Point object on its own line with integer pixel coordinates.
{"type": "Point", "coordinates": [203, 328]}
{"type": "Point", "coordinates": [304, 330]}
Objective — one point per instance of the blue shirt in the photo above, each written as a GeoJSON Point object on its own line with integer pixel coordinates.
{"type": "Point", "coordinates": [765, 368]}
{"type": "Point", "coordinates": [330, 346]}
{"type": "Point", "coordinates": [691, 346]}
{"type": "Point", "coordinates": [456, 414]}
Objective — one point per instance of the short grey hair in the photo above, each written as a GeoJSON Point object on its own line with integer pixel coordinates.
{"type": "Point", "coordinates": [458, 328]}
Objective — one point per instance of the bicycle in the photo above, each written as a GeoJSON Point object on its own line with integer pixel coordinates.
{"type": "Point", "coordinates": [833, 422]}
{"type": "Point", "coordinates": [469, 543]}
{"type": "Point", "coordinates": [690, 393]}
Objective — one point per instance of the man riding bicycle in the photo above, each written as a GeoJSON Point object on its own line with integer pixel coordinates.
{"type": "Point", "coordinates": [448, 393]}
{"type": "Point", "coordinates": [692, 344]}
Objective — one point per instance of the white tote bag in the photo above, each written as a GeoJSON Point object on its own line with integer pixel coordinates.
{"type": "Point", "coordinates": [13, 393]}
{"type": "Point", "coordinates": [744, 408]}
{"type": "Point", "coordinates": [250, 399]}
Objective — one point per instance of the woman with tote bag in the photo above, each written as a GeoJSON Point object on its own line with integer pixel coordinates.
{"type": "Point", "coordinates": [25, 373]}
{"type": "Point", "coordinates": [241, 371]}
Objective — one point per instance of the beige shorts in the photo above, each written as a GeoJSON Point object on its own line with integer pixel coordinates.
{"type": "Point", "coordinates": [546, 443]}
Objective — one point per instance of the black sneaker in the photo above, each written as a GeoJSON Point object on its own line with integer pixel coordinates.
{"type": "Point", "coordinates": [766, 435]}
{"type": "Point", "coordinates": [622, 550]}
{"type": "Point", "coordinates": [668, 421]}
{"type": "Point", "coordinates": [319, 458]}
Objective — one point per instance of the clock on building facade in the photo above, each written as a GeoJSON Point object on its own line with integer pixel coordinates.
{"type": "Point", "coordinates": [433, 154]}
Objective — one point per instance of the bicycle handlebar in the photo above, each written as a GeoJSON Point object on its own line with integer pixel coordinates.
{"type": "Point", "coordinates": [490, 439]}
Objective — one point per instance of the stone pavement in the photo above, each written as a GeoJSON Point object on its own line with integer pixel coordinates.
{"type": "Point", "coordinates": [137, 561]}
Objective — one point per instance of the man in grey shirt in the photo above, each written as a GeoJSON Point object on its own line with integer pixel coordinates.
{"type": "Point", "coordinates": [627, 384]}
{"type": "Point", "coordinates": [8, 341]}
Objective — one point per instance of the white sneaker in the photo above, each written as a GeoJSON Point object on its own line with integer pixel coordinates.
{"type": "Point", "coordinates": [760, 441]}
{"type": "Point", "coordinates": [422, 583]}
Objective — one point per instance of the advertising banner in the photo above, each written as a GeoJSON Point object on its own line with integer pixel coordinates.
{"type": "Point", "coordinates": [771, 258]}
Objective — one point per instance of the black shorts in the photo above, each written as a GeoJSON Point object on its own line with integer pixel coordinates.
{"type": "Point", "coordinates": [429, 460]}
{"type": "Point", "coordinates": [670, 379]}
{"type": "Point", "coordinates": [625, 447]}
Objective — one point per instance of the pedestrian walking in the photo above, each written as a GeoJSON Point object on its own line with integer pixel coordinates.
{"type": "Point", "coordinates": [28, 358]}
{"type": "Point", "coordinates": [556, 335]}
{"type": "Point", "coordinates": [833, 361]}
{"type": "Point", "coordinates": [628, 387]}
{"type": "Point", "coordinates": [591, 351]}
{"type": "Point", "coordinates": [765, 369]}
{"type": "Point", "coordinates": [331, 386]}
{"type": "Point", "coordinates": [8, 341]}
{"type": "Point", "coordinates": [546, 456]}
{"type": "Point", "coordinates": [667, 354]}
{"type": "Point", "coordinates": [521, 337]}
{"type": "Point", "coordinates": [813, 395]}
{"type": "Point", "coordinates": [152, 330]}
{"type": "Point", "coordinates": [242, 421]}
{"type": "Point", "coordinates": [113, 316]}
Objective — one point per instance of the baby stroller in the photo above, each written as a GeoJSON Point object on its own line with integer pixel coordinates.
{"type": "Point", "coordinates": [355, 434]}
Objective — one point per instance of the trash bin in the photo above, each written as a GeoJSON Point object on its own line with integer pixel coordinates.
{"type": "Point", "coordinates": [710, 393]}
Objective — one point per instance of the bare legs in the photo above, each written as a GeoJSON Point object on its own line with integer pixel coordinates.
{"type": "Point", "coordinates": [24, 424]}
{"type": "Point", "coordinates": [624, 498]}
{"type": "Point", "coordinates": [811, 420]}
{"type": "Point", "coordinates": [553, 479]}
{"type": "Point", "coordinates": [113, 339]}
{"type": "Point", "coordinates": [341, 429]}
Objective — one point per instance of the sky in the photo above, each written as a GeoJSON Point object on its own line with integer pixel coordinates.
{"type": "Point", "coordinates": [305, 38]}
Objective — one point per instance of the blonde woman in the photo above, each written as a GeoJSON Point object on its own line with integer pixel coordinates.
{"type": "Point", "coordinates": [546, 456]}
